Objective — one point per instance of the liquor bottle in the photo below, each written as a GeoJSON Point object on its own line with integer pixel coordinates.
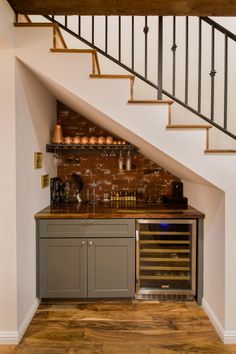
{"type": "Point", "coordinates": [128, 161]}
{"type": "Point", "coordinates": [120, 161]}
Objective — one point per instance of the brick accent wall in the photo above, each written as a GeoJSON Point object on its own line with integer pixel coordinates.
{"type": "Point", "coordinates": [101, 173]}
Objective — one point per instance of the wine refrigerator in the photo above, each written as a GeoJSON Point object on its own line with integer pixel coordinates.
{"type": "Point", "coordinates": [165, 258]}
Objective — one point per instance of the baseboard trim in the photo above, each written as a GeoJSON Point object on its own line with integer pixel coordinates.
{"type": "Point", "coordinates": [214, 320]}
{"type": "Point", "coordinates": [14, 337]}
{"type": "Point", "coordinates": [227, 337]}
{"type": "Point", "coordinates": [9, 337]}
{"type": "Point", "coordinates": [24, 324]}
{"type": "Point", "coordinates": [230, 337]}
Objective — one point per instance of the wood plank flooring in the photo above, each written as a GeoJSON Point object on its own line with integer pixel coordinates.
{"type": "Point", "coordinates": [119, 327]}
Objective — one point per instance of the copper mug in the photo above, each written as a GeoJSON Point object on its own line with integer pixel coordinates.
{"type": "Point", "coordinates": [67, 140]}
{"type": "Point", "coordinates": [101, 140]}
{"type": "Point", "coordinates": [92, 140]}
{"type": "Point", "coordinates": [76, 140]}
{"type": "Point", "coordinates": [109, 140]}
{"type": "Point", "coordinates": [84, 140]}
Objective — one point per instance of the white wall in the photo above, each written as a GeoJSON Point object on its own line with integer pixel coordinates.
{"type": "Point", "coordinates": [211, 201]}
{"type": "Point", "coordinates": [7, 39]}
{"type": "Point", "coordinates": [35, 115]}
{"type": "Point", "coordinates": [8, 194]}
{"type": "Point", "coordinates": [8, 291]}
{"type": "Point", "coordinates": [27, 111]}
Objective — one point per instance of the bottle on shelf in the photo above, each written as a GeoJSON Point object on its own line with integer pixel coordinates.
{"type": "Point", "coordinates": [128, 161]}
{"type": "Point", "coordinates": [120, 161]}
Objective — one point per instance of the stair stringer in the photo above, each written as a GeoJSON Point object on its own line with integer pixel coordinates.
{"type": "Point", "coordinates": [105, 102]}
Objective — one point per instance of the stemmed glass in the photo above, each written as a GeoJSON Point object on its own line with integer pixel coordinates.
{"type": "Point", "coordinates": [104, 154]}
{"type": "Point", "coordinates": [112, 154]}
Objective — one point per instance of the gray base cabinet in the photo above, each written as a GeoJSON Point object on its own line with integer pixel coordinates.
{"type": "Point", "coordinates": [63, 268]}
{"type": "Point", "coordinates": [111, 267]}
{"type": "Point", "coordinates": [76, 261]}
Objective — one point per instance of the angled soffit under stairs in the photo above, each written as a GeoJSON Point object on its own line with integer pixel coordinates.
{"type": "Point", "coordinates": [77, 104]}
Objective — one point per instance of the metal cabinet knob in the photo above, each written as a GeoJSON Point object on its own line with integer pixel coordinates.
{"type": "Point", "coordinates": [83, 243]}
{"type": "Point", "coordinates": [90, 243]}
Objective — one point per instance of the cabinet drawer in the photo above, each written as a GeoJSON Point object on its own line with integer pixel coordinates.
{"type": "Point", "coordinates": [86, 228]}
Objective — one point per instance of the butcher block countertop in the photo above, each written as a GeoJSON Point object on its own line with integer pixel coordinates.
{"type": "Point", "coordinates": [117, 211]}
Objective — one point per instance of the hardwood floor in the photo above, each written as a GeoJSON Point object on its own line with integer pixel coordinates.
{"type": "Point", "coordinates": [119, 327]}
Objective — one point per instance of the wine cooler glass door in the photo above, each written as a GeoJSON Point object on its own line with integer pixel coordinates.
{"type": "Point", "coordinates": [166, 256]}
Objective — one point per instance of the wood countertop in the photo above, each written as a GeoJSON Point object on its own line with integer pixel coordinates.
{"type": "Point", "coordinates": [117, 211]}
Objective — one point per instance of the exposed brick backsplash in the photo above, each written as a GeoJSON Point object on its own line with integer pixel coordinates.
{"type": "Point", "coordinates": [146, 177]}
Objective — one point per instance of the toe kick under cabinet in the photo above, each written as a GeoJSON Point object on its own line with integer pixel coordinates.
{"type": "Point", "coordinates": [89, 258]}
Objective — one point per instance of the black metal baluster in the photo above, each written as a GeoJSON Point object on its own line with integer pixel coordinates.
{"type": "Point", "coordinates": [173, 48]}
{"type": "Point", "coordinates": [119, 38]}
{"type": "Point", "coordinates": [92, 29]}
{"type": "Point", "coordinates": [65, 21]}
{"type": "Point", "coordinates": [199, 65]}
{"type": "Point", "coordinates": [106, 26]}
{"type": "Point", "coordinates": [132, 45]}
{"type": "Point", "coordinates": [160, 58]}
{"type": "Point", "coordinates": [186, 61]}
{"type": "Point", "coordinates": [158, 84]}
{"type": "Point", "coordinates": [212, 72]}
{"type": "Point", "coordinates": [145, 31]}
{"type": "Point", "coordinates": [79, 25]}
{"type": "Point", "coordinates": [226, 82]}
{"type": "Point", "coordinates": [53, 17]}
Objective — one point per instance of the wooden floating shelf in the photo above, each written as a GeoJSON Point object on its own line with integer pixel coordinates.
{"type": "Point", "coordinates": [69, 148]}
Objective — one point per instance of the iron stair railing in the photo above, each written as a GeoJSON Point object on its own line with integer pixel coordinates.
{"type": "Point", "coordinates": [215, 28]}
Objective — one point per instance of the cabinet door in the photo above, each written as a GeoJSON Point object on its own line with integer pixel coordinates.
{"type": "Point", "coordinates": [63, 268]}
{"type": "Point", "coordinates": [111, 267]}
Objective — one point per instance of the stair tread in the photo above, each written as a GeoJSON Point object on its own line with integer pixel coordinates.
{"type": "Point", "coordinates": [190, 126]}
{"type": "Point", "coordinates": [220, 151]}
{"type": "Point", "coordinates": [66, 50]}
{"type": "Point", "coordinates": [111, 76]}
{"type": "Point", "coordinates": [151, 101]}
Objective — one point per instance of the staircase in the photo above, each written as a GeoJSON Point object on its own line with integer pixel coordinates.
{"type": "Point", "coordinates": [146, 123]}
{"type": "Point", "coordinates": [202, 82]}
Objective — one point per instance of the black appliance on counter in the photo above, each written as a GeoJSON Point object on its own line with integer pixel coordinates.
{"type": "Point", "coordinates": [176, 198]}
{"type": "Point", "coordinates": [55, 190]}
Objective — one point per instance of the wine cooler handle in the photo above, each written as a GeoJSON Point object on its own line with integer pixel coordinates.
{"type": "Point", "coordinates": [137, 261]}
